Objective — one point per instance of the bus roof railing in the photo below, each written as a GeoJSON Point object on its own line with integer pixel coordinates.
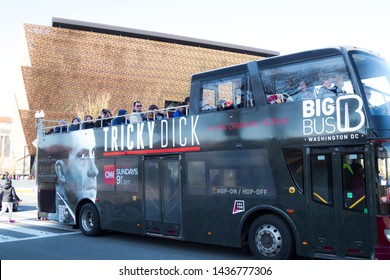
{"type": "Point", "coordinates": [58, 126]}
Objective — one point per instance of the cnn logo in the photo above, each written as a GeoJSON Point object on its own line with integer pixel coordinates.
{"type": "Point", "coordinates": [109, 174]}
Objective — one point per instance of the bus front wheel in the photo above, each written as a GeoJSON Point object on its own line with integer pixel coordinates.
{"type": "Point", "coordinates": [89, 220]}
{"type": "Point", "coordinates": [270, 238]}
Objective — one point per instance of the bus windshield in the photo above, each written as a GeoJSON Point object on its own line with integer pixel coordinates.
{"type": "Point", "coordinates": [374, 73]}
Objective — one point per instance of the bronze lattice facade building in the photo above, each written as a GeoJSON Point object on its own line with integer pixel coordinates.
{"type": "Point", "coordinates": [73, 62]}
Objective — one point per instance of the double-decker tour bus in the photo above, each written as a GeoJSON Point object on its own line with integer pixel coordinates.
{"type": "Point", "coordinates": [288, 155]}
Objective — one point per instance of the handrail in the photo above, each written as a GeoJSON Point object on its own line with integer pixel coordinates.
{"type": "Point", "coordinates": [49, 126]}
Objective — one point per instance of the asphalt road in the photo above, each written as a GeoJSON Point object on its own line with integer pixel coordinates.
{"type": "Point", "coordinates": [32, 239]}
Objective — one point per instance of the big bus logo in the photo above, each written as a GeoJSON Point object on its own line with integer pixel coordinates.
{"type": "Point", "coordinates": [329, 116]}
{"type": "Point", "coordinates": [109, 174]}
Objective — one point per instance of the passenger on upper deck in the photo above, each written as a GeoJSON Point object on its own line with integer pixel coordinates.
{"type": "Point", "coordinates": [61, 128]}
{"type": "Point", "coordinates": [276, 98]}
{"type": "Point", "coordinates": [50, 131]}
{"type": "Point", "coordinates": [326, 89]}
{"type": "Point", "coordinates": [187, 102]}
{"type": "Point", "coordinates": [181, 111]}
{"type": "Point", "coordinates": [304, 92]}
{"type": "Point", "coordinates": [121, 118]}
{"type": "Point", "coordinates": [104, 119]}
{"type": "Point", "coordinates": [88, 122]}
{"type": "Point", "coordinates": [224, 104]}
{"type": "Point", "coordinates": [75, 125]}
{"type": "Point", "coordinates": [338, 85]}
{"type": "Point", "coordinates": [137, 115]}
{"type": "Point", "coordinates": [250, 102]}
{"type": "Point", "coordinates": [154, 113]}
{"type": "Point", "coordinates": [374, 109]}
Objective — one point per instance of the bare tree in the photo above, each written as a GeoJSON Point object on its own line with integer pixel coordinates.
{"type": "Point", "coordinates": [92, 105]}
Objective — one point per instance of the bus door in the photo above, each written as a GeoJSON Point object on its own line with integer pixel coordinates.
{"type": "Point", "coordinates": [340, 220]}
{"type": "Point", "coordinates": [162, 195]}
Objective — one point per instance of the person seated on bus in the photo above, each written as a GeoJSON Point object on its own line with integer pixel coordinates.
{"type": "Point", "coordinates": [154, 113]}
{"type": "Point", "coordinates": [50, 131]}
{"type": "Point", "coordinates": [61, 128]}
{"type": "Point", "coordinates": [180, 111]}
{"type": "Point", "coordinates": [356, 183]}
{"type": "Point", "coordinates": [120, 118]}
{"type": "Point", "coordinates": [224, 104]}
{"type": "Point", "coordinates": [88, 122]}
{"type": "Point", "coordinates": [104, 119]}
{"type": "Point", "coordinates": [250, 102]}
{"type": "Point", "coordinates": [279, 98]}
{"type": "Point", "coordinates": [206, 105]}
{"type": "Point", "coordinates": [187, 102]}
{"type": "Point", "coordinates": [382, 185]}
{"type": "Point", "coordinates": [383, 201]}
{"type": "Point", "coordinates": [304, 92]}
{"type": "Point", "coordinates": [217, 180]}
{"type": "Point", "coordinates": [137, 115]}
{"type": "Point", "coordinates": [338, 85]}
{"type": "Point", "coordinates": [75, 125]}
{"type": "Point", "coordinates": [326, 89]}
{"type": "Point", "coordinates": [374, 109]}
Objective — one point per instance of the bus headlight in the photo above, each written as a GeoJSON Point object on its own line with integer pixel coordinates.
{"type": "Point", "coordinates": [387, 234]}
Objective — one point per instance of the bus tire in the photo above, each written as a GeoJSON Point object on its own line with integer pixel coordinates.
{"type": "Point", "coordinates": [89, 221]}
{"type": "Point", "coordinates": [270, 238]}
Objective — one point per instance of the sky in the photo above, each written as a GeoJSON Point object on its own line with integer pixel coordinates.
{"type": "Point", "coordinates": [285, 26]}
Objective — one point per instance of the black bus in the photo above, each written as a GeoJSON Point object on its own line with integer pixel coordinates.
{"type": "Point", "coordinates": [289, 155]}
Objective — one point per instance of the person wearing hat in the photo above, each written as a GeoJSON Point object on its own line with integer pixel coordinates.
{"type": "Point", "coordinates": [9, 195]}
{"type": "Point", "coordinates": [75, 124]}
{"type": "Point", "coordinates": [121, 118]}
{"type": "Point", "coordinates": [180, 111]}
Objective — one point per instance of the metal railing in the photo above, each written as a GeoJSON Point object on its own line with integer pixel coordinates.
{"type": "Point", "coordinates": [60, 126]}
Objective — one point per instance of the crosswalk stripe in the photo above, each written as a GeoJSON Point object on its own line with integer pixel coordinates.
{"type": "Point", "coordinates": [26, 228]}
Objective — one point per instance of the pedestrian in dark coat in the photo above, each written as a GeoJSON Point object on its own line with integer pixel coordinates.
{"type": "Point", "coordinates": [8, 195]}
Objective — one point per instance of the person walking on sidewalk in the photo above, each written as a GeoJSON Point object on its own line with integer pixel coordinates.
{"type": "Point", "coordinates": [9, 195]}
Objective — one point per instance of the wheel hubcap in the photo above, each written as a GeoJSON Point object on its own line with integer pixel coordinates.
{"type": "Point", "coordinates": [87, 220]}
{"type": "Point", "coordinates": [268, 240]}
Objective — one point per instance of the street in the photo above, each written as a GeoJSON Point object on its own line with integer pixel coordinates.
{"type": "Point", "coordinates": [42, 249]}
{"type": "Point", "coordinates": [32, 239]}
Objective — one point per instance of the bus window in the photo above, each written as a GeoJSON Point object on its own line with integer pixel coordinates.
{"type": "Point", "coordinates": [383, 179]}
{"type": "Point", "coordinates": [294, 160]}
{"type": "Point", "coordinates": [354, 185]}
{"type": "Point", "coordinates": [228, 173]}
{"type": "Point", "coordinates": [227, 93]}
{"type": "Point", "coordinates": [375, 76]}
{"type": "Point", "coordinates": [322, 179]}
{"type": "Point", "coordinates": [196, 178]}
{"type": "Point", "coordinates": [318, 78]}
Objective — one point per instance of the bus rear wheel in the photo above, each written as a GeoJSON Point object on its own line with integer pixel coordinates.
{"type": "Point", "coordinates": [89, 220]}
{"type": "Point", "coordinates": [270, 238]}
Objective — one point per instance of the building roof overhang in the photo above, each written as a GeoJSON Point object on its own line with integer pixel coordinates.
{"type": "Point", "coordinates": [157, 36]}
